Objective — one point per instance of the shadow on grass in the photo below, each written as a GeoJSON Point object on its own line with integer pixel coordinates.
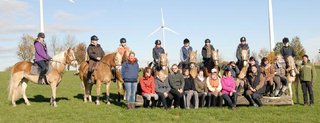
{"type": "Point", "coordinates": [40, 98]}
{"type": "Point", "coordinates": [113, 99]}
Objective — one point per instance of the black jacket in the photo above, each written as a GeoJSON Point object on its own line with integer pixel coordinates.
{"type": "Point", "coordinates": [189, 84]}
{"type": "Point", "coordinates": [256, 81]}
{"type": "Point", "coordinates": [287, 51]}
{"type": "Point", "coordinates": [204, 51]}
{"type": "Point", "coordinates": [94, 52]}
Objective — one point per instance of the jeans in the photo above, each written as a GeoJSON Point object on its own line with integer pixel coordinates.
{"type": "Point", "coordinates": [131, 89]}
{"type": "Point", "coordinates": [307, 87]}
{"type": "Point", "coordinates": [166, 101]}
{"type": "Point", "coordinates": [230, 100]}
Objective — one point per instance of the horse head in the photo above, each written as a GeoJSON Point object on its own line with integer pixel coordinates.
{"type": "Point", "coordinates": [245, 57]}
{"type": "Point", "coordinates": [117, 60]}
{"type": "Point", "coordinates": [291, 68]}
{"type": "Point", "coordinates": [215, 56]}
{"type": "Point", "coordinates": [163, 59]}
{"type": "Point", "coordinates": [70, 57]}
{"type": "Point", "coordinates": [193, 57]}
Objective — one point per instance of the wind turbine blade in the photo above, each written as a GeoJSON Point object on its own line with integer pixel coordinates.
{"type": "Point", "coordinates": [154, 31]}
{"type": "Point", "coordinates": [162, 19]}
{"type": "Point", "coordinates": [171, 30]}
{"type": "Point", "coordinates": [72, 1]}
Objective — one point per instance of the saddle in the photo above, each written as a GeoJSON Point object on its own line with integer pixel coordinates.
{"type": "Point", "coordinates": [35, 69]}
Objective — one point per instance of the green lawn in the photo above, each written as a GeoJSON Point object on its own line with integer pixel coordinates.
{"type": "Point", "coordinates": [71, 108]}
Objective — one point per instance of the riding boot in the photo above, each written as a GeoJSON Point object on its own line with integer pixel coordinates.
{"type": "Point", "coordinates": [209, 101]}
{"type": "Point", "coordinates": [40, 80]}
{"type": "Point", "coordinates": [89, 76]}
{"type": "Point", "coordinates": [235, 98]}
{"type": "Point", "coordinates": [258, 102]}
{"type": "Point", "coordinates": [114, 78]}
{"type": "Point", "coordinates": [214, 101]}
{"type": "Point", "coordinates": [250, 100]}
{"type": "Point", "coordinates": [45, 80]}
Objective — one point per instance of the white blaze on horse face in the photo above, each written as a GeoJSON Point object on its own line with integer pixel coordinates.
{"type": "Point", "coordinates": [244, 54]}
{"type": "Point", "coordinates": [163, 59]}
{"type": "Point", "coordinates": [192, 65]}
{"type": "Point", "coordinates": [164, 67]}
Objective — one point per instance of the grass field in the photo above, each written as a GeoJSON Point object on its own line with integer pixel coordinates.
{"type": "Point", "coordinates": [71, 108]}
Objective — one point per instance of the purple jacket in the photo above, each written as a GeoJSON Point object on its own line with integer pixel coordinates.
{"type": "Point", "coordinates": [40, 51]}
{"type": "Point", "coordinates": [228, 85]}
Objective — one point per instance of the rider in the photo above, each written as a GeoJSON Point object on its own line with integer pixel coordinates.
{"type": "Point", "coordinates": [184, 53]}
{"type": "Point", "coordinates": [41, 57]}
{"type": "Point", "coordinates": [156, 51]}
{"type": "Point", "coordinates": [287, 50]}
{"type": "Point", "coordinates": [123, 48]}
{"type": "Point", "coordinates": [207, 54]}
{"type": "Point", "coordinates": [242, 46]}
{"type": "Point", "coordinates": [95, 53]}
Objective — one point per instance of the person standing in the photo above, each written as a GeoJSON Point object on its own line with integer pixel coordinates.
{"type": "Point", "coordinates": [130, 70]}
{"type": "Point", "coordinates": [41, 58]}
{"type": "Point", "coordinates": [148, 87]}
{"type": "Point", "coordinates": [184, 54]}
{"type": "Point", "coordinates": [307, 77]}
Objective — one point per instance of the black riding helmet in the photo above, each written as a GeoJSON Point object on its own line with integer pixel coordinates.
{"type": "Point", "coordinates": [285, 40]}
{"type": "Point", "coordinates": [157, 42]}
{"type": "Point", "coordinates": [41, 35]}
{"type": "Point", "coordinates": [243, 39]}
{"type": "Point", "coordinates": [207, 41]}
{"type": "Point", "coordinates": [94, 38]}
{"type": "Point", "coordinates": [123, 40]}
{"type": "Point", "coordinates": [185, 41]}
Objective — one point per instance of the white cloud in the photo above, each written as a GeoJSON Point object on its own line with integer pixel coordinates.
{"type": "Point", "coordinates": [62, 15]}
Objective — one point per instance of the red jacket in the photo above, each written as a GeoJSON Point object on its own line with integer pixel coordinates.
{"type": "Point", "coordinates": [148, 85]}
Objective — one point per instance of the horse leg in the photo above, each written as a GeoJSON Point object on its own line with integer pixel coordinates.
{"type": "Point", "coordinates": [98, 84]}
{"type": "Point", "coordinates": [89, 92]}
{"type": "Point", "coordinates": [84, 87]}
{"type": "Point", "coordinates": [15, 88]}
{"type": "Point", "coordinates": [108, 92]}
{"type": "Point", "coordinates": [296, 86]}
{"type": "Point", "coordinates": [120, 90]}
{"type": "Point", "coordinates": [290, 91]}
{"type": "Point", "coordinates": [53, 101]}
{"type": "Point", "coordinates": [24, 87]}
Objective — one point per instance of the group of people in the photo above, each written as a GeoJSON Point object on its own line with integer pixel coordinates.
{"type": "Point", "coordinates": [203, 90]}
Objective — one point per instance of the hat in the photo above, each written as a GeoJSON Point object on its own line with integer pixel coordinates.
{"type": "Point", "coordinates": [285, 40]}
{"type": "Point", "coordinates": [94, 38]}
{"type": "Point", "coordinates": [123, 40]}
{"type": "Point", "coordinates": [214, 70]}
{"type": "Point", "coordinates": [185, 41]}
{"type": "Point", "coordinates": [41, 35]}
{"type": "Point", "coordinates": [243, 39]}
{"type": "Point", "coordinates": [157, 42]}
{"type": "Point", "coordinates": [207, 41]}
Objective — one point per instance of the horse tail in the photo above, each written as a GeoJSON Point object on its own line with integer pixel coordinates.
{"type": "Point", "coordinates": [14, 89]}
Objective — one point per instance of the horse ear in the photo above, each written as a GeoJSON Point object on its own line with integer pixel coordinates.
{"type": "Point", "coordinates": [218, 50]}
{"type": "Point", "coordinates": [196, 51]}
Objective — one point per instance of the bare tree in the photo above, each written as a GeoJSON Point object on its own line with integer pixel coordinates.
{"type": "Point", "coordinates": [54, 43]}
{"type": "Point", "coordinates": [80, 52]}
{"type": "Point", "coordinates": [26, 49]}
{"type": "Point", "coordinates": [70, 41]}
{"type": "Point", "coordinates": [263, 53]}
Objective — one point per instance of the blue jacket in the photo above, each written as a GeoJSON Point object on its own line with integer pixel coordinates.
{"type": "Point", "coordinates": [130, 71]}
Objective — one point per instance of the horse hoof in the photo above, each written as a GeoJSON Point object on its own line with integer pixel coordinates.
{"type": "Point", "coordinates": [97, 103]}
{"type": "Point", "coordinates": [108, 103]}
{"type": "Point", "coordinates": [28, 104]}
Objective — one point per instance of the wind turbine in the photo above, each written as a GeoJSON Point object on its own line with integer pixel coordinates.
{"type": "Point", "coordinates": [163, 28]}
{"type": "Point", "coordinates": [41, 15]}
{"type": "Point", "coordinates": [271, 31]}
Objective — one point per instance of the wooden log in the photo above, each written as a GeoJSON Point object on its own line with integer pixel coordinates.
{"type": "Point", "coordinates": [275, 101]}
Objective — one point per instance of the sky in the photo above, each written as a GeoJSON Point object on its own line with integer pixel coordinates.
{"type": "Point", "coordinates": [223, 22]}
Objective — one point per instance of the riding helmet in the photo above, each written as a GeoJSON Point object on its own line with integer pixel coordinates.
{"type": "Point", "coordinates": [285, 40]}
{"type": "Point", "coordinates": [157, 42]}
{"type": "Point", "coordinates": [185, 41]}
{"type": "Point", "coordinates": [207, 41]}
{"type": "Point", "coordinates": [94, 38]}
{"type": "Point", "coordinates": [123, 40]}
{"type": "Point", "coordinates": [243, 39]}
{"type": "Point", "coordinates": [41, 35]}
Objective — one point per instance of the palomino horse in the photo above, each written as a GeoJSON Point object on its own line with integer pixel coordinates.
{"type": "Point", "coordinates": [163, 65]}
{"type": "Point", "coordinates": [101, 74]}
{"type": "Point", "coordinates": [215, 62]}
{"type": "Point", "coordinates": [193, 64]}
{"type": "Point", "coordinates": [21, 74]}
{"type": "Point", "coordinates": [292, 71]}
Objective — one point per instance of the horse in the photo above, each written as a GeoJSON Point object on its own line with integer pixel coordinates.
{"type": "Point", "coordinates": [215, 62]}
{"type": "Point", "coordinates": [21, 74]}
{"type": "Point", "coordinates": [292, 71]}
{"type": "Point", "coordinates": [102, 74]}
{"type": "Point", "coordinates": [163, 65]}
